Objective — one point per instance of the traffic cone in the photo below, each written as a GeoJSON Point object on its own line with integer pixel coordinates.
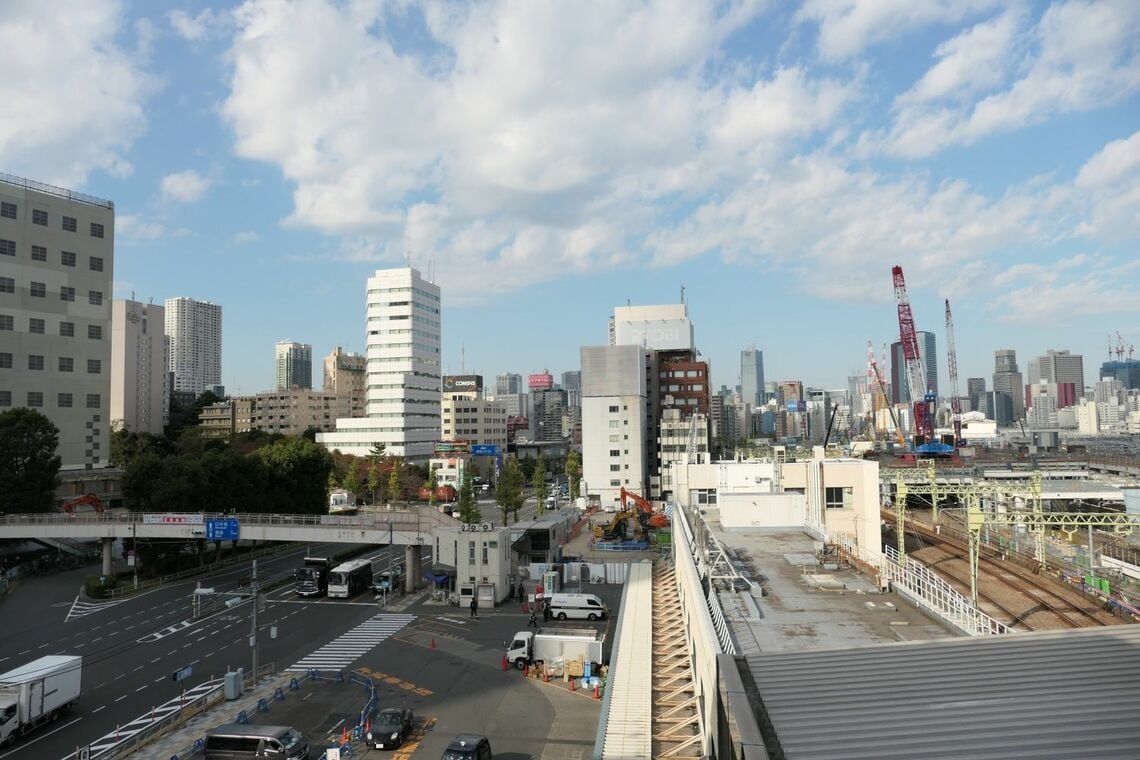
{"type": "Point", "coordinates": [545, 675]}
{"type": "Point", "coordinates": [596, 694]}
{"type": "Point", "coordinates": [526, 670]}
{"type": "Point", "coordinates": [573, 684]}
{"type": "Point", "coordinates": [433, 642]}
{"type": "Point", "coordinates": [504, 663]}
{"type": "Point", "coordinates": [344, 735]}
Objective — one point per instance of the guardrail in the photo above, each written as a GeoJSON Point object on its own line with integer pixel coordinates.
{"type": "Point", "coordinates": [402, 520]}
{"type": "Point", "coordinates": [59, 192]}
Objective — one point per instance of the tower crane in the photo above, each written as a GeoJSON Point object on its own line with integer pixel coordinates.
{"type": "Point", "coordinates": [952, 363]}
{"type": "Point", "coordinates": [916, 382]}
{"type": "Point", "coordinates": [876, 381]}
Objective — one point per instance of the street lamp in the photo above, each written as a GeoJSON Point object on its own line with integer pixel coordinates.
{"type": "Point", "coordinates": [391, 578]}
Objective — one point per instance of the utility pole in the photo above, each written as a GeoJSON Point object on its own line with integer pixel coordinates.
{"type": "Point", "coordinates": [391, 578]}
{"type": "Point", "coordinates": [253, 620]}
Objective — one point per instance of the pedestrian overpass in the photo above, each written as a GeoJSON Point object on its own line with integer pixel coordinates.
{"type": "Point", "coordinates": [409, 528]}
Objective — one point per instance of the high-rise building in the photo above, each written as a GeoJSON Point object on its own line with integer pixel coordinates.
{"type": "Point", "coordinates": [508, 384]}
{"type": "Point", "coordinates": [294, 365]}
{"type": "Point", "coordinates": [57, 257]}
{"type": "Point", "coordinates": [1009, 391]}
{"type": "Point", "coordinates": [138, 367]}
{"type": "Point", "coordinates": [1127, 371]}
{"type": "Point", "coordinates": [613, 422]}
{"type": "Point", "coordinates": [402, 407]}
{"type": "Point", "coordinates": [345, 375]}
{"type": "Point", "coordinates": [976, 391]}
{"type": "Point", "coordinates": [1058, 367]}
{"type": "Point", "coordinates": [572, 384]}
{"type": "Point", "coordinates": [752, 377]}
{"type": "Point", "coordinates": [928, 358]}
{"type": "Point", "coordinates": [195, 332]}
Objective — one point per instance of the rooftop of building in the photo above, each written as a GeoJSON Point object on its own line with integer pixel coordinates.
{"type": "Point", "coordinates": [58, 192]}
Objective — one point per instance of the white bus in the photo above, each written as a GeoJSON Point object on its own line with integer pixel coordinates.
{"type": "Point", "coordinates": [350, 578]}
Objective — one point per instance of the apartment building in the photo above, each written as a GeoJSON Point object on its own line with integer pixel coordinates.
{"type": "Point", "coordinates": [195, 332]}
{"type": "Point", "coordinates": [139, 399]}
{"type": "Point", "coordinates": [294, 365]}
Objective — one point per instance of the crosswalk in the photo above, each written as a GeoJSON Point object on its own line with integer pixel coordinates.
{"type": "Point", "coordinates": [82, 609]}
{"type": "Point", "coordinates": [344, 649]}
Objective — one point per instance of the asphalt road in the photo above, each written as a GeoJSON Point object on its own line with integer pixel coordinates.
{"type": "Point", "coordinates": [131, 647]}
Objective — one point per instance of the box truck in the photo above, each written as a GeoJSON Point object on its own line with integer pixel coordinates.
{"type": "Point", "coordinates": [37, 693]}
{"type": "Point", "coordinates": [546, 644]}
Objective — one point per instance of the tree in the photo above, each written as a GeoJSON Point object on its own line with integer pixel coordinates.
{"type": "Point", "coordinates": [432, 484]}
{"type": "Point", "coordinates": [573, 469]}
{"type": "Point", "coordinates": [468, 509]}
{"type": "Point", "coordinates": [352, 478]}
{"type": "Point", "coordinates": [527, 467]}
{"type": "Point", "coordinates": [377, 451]}
{"type": "Point", "coordinates": [297, 473]}
{"type": "Point", "coordinates": [28, 463]}
{"type": "Point", "coordinates": [333, 485]}
{"type": "Point", "coordinates": [540, 489]}
{"type": "Point", "coordinates": [395, 491]}
{"type": "Point", "coordinates": [373, 480]}
{"type": "Point", "coordinates": [509, 493]}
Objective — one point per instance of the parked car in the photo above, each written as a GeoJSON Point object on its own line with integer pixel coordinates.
{"type": "Point", "coordinates": [390, 728]}
{"type": "Point", "coordinates": [468, 747]}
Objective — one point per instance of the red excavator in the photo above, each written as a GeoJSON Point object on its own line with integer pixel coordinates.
{"type": "Point", "coordinates": [648, 516]}
{"type": "Point", "coordinates": [88, 499]}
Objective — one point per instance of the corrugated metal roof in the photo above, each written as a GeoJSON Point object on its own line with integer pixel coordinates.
{"type": "Point", "coordinates": [628, 730]}
{"type": "Point", "coordinates": [1052, 694]}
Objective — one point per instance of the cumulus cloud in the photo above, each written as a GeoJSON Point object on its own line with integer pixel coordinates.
{"type": "Point", "coordinates": [73, 95]}
{"type": "Point", "coordinates": [1110, 183]}
{"type": "Point", "coordinates": [131, 228]}
{"type": "Point", "coordinates": [184, 187]}
{"type": "Point", "coordinates": [205, 25]}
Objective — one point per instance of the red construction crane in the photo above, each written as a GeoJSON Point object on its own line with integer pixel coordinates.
{"type": "Point", "coordinates": [952, 362]}
{"type": "Point", "coordinates": [916, 378]}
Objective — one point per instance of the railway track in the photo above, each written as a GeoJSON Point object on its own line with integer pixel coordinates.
{"type": "Point", "coordinates": [1006, 591]}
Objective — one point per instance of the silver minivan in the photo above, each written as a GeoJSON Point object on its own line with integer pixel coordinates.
{"type": "Point", "coordinates": [235, 741]}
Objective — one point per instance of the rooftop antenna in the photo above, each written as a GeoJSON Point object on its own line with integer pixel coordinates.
{"type": "Point", "coordinates": [682, 294]}
{"type": "Point", "coordinates": [408, 256]}
{"type": "Point", "coordinates": [462, 359]}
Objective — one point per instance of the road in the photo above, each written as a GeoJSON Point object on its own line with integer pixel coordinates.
{"type": "Point", "coordinates": [131, 647]}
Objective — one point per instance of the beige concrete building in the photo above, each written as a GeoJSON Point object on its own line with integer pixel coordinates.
{"type": "Point", "coordinates": [293, 411]}
{"type": "Point", "coordinates": [139, 400]}
{"type": "Point", "coordinates": [346, 375]}
{"type": "Point", "coordinates": [227, 418]}
{"type": "Point", "coordinates": [465, 415]}
{"type": "Point", "coordinates": [56, 267]}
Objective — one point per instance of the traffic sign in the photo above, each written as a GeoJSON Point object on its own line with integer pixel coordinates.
{"type": "Point", "coordinates": [225, 529]}
{"type": "Point", "coordinates": [485, 450]}
{"type": "Point", "coordinates": [181, 675]}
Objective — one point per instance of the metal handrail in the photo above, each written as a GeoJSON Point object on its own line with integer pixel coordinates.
{"type": "Point", "coordinates": [400, 520]}
{"type": "Point", "coordinates": [59, 192]}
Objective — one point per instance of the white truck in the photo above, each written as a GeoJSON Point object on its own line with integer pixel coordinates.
{"type": "Point", "coordinates": [37, 693]}
{"type": "Point", "coordinates": [529, 648]}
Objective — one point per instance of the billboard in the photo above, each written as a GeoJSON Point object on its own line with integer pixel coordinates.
{"type": "Point", "coordinates": [462, 383]}
{"type": "Point", "coordinates": [451, 447]}
{"type": "Point", "coordinates": [485, 450]}
{"type": "Point", "coordinates": [655, 334]}
{"type": "Point", "coordinates": [540, 382]}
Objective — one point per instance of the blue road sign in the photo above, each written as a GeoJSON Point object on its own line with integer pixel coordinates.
{"type": "Point", "coordinates": [181, 675]}
{"type": "Point", "coordinates": [222, 529]}
{"type": "Point", "coordinates": [485, 450]}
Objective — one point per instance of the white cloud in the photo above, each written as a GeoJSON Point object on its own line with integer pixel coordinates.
{"type": "Point", "coordinates": [184, 187]}
{"type": "Point", "coordinates": [847, 27]}
{"type": "Point", "coordinates": [131, 228]}
{"type": "Point", "coordinates": [207, 24]}
{"type": "Point", "coordinates": [1080, 55]}
{"type": "Point", "coordinates": [73, 96]}
{"type": "Point", "coordinates": [244, 237]}
{"type": "Point", "coordinates": [1109, 183]}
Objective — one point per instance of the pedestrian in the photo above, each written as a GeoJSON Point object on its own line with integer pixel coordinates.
{"type": "Point", "coordinates": [474, 608]}
{"type": "Point", "coordinates": [546, 612]}
{"type": "Point", "coordinates": [533, 620]}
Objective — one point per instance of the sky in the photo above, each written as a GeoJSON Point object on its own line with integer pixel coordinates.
{"type": "Point", "coordinates": [547, 161]}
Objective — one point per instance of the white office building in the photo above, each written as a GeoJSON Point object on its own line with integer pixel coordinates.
{"type": "Point", "coordinates": [56, 267]}
{"type": "Point", "coordinates": [613, 422]}
{"type": "Point", "coordinates": [139, 400]}
{"type": "Point", "coordinates": [195, 332]}
{"type": "Point", "coordinates": [402, 406]}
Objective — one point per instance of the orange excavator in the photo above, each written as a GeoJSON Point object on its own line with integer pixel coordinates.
{"type": "Point", "coordinates": [648, 517]}
{"type": "Point", "coordinates": [88, 499]}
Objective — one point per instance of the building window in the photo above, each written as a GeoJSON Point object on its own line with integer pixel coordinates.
{"type": "Point", "coordinates": [485, 553]}
{"type": "Point", "coordinates": [615, 483]}
{"type": "Point", "coordinates": [6, 322]}
{"type": "Point", "coordinates": [35, 361]}
{"type": "Point", "coordinates": [7, 285]}
{"type": "Point", "coordinates": [67, 258]}
{"type": "Point", "coordinates": [95, 332]}
{"type": "Point", "coordinates": [36, 326]}
{"type": "Point", "coordinates": [94, 366]}
{"type": "Point", "coordinates": [8, 247]}
{"type": "Point", "coordinates": [66, 364]}
{"type": "Point", "coordinates": [63, 401]}
{"type": "Point", "coordinates": [35, 398]}
{"type": "Point", "coordinates": [39, 253]}
{"type": "Point", "coordinates": [615, 452]}
{"type": "Point", "coordinates": [66, 293]}
{"type": "Point", "coordinates": [613, 410]}
{"type": "Point", "coordinates": [96, 230]}
{"type": "Point", "coordinates": [39, 216]}
{"type": "Point", "coordinates": [96, 264]}
{"type": "Point", "coordinates": [67, 329]}
{"type": "Point", "coordinates": [471, 551]}
{"type": "Point", "coordinates": [614, 423]}
{"type": "Point", "coordinates": [93, 401]}
{"type": "Point", "coordinates": [836, 497]}
{"type": "Point", "coordinates": [95, 297]}
{"type": "Point", "coordinates": [5, 398]}
{"type": "Point", "coordinates": [7, 210]}
{"type": "Point", "coordinates": [615, 468]}
{"type": "Point", "coordinates": [37, 289]}
{"type": "Point", "coordinates": [5, 360]}
{"type": "Point", "coordinates": [704, 495]}
{"type": "Point", "coordinates": [70, 224]}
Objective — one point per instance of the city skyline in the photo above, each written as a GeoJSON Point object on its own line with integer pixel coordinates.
{"type": "Point", "coordinates": [770, 162]}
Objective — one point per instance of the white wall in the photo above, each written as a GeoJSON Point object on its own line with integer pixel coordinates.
{"type": "Point", "coordinates": [600, 436]}
{"type": "Point", "coordinates": [762, 510]}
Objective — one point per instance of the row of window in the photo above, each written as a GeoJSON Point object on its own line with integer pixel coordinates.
{"type": "Point", "coordinates": [39, 290]}
{"type": "Point", "coordinates": [66, 363]}
{"type": "Point", "coordinates": [40, 253]}
{"type": "Point", "coordinates": [38, 326]}
{"type": "Point", "coordinates": [40, 217]}
{"type": "Point", "coordinates": [35, 399]}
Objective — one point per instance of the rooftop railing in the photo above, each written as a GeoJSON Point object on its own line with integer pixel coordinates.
{"type": "Point", "coordinates": [58, 192]}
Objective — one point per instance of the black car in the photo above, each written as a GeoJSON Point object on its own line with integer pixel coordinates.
{"type": "Point", "coordinates": [390, 728]}
{"type": "Point", "coordinates": [468, 747]}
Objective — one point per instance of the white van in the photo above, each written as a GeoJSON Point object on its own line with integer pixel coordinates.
{"type": "Point", "coordinates": [578, 606]}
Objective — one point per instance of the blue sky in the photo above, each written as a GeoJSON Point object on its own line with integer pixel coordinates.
{"type": "Point", "coordinates": [548, 161]}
